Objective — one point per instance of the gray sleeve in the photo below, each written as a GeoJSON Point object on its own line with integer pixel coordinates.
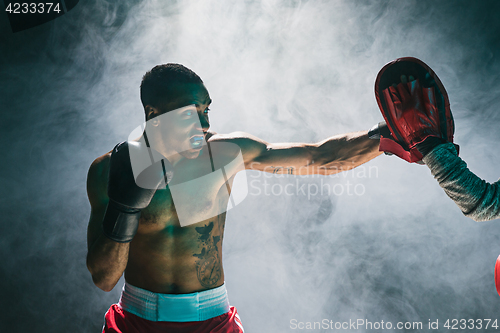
{"type": "Point", "coordinates": [476, 198]}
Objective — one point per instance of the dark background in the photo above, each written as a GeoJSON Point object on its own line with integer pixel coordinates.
{"type": "Point", "coordinates": [284, 71]}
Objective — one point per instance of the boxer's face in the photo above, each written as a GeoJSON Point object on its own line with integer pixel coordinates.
{"type": "Point", "coordinates": [184, 121]}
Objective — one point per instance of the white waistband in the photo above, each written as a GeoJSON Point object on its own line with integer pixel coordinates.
{"type": "Point", "coordinates": [174, 307]}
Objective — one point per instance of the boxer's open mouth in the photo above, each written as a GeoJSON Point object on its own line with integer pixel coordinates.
{"type": "Point", "coordinates": [196, 141]}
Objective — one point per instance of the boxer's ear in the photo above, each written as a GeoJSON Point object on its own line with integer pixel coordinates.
{"type": "Point", "coordinates": [151, 113]}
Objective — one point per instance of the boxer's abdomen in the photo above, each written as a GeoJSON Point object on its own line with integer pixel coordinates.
{"type": "Point", "coordinates": [167, 258]}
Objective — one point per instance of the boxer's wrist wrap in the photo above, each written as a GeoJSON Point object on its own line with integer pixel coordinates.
{"type": "Point", "coordinates": [429, 144]}
{"type": "Point", "coordinates": [379, 130]}
{"type": "Point", "coordinates": [120, 222]}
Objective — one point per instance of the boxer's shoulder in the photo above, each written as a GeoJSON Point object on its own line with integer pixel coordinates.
{"type": "Point", "coordinates": [97, 177]}
{"type": "Point", "coordinates": [210, 134]}
{"type": "Point", "coordinates": [231, 137]}
{"type": "Point", "coordinates": [249, 145]}
{"type": "Point", "coordinates": [100, 167]}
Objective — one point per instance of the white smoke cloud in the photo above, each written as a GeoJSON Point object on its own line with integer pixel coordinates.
{"type": "Point", "coordinates": [282, 70]}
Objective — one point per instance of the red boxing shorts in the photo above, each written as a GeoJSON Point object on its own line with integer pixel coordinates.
{"type": "Point", "coordinates": [120, 321]}
{"type": "Point", "coordinates": [141, 310]}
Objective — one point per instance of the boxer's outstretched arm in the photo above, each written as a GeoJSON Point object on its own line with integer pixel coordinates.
{"type": "Point", "coordinates": [106, 259]}
{"type": "Point", "coordinates": [476, 198]}
{"type": "Point", "coordinates": [333, 155]}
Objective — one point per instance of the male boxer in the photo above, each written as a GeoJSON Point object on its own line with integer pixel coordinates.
{"type": "Point", "coordinates": [174, 275]}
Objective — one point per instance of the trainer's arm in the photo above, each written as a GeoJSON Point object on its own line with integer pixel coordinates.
{"type": "Point", "coordinates": [106, 259]}
{"type": "Point", "coordinates": [476, 198]}
{"type": "Point", "coordinates": [330, 156]}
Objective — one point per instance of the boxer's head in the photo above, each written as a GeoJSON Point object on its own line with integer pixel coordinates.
{"type": "Point", "coordinates": [176, 104]}
{"type": "Point", "coordinates": [171, 86]}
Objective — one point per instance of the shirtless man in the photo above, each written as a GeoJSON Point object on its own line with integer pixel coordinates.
{"type": "Point", "coordinates": [174, 275]}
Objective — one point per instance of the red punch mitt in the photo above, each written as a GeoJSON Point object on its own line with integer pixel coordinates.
{"type": "Point", "coordinates": [497, 275]}
{"type": "Point", "coordinates": [413, 111]}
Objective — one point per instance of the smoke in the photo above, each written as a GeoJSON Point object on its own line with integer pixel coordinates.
{"type": "Point", "coordinates": [384, 244]}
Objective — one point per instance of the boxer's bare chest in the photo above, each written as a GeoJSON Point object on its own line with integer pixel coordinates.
{"type": "Point", "coordinates": [198, 192]}
{"type": "Point", "coordinates": [195, 195]}
{"type": "Point", "coordinates": [180, 235]}
{"type": "Point", "coordinates": [185, 220]}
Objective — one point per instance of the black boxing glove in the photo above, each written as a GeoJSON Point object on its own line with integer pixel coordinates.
{"type": "Point", "coordinates": [131, 189]}
{"type": "Point", "coordinates": [379, 130]}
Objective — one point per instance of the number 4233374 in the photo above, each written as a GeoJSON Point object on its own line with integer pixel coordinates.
{"type": "Point", "coordinates": [32, 8]}
{"type": "Point", "coordinates": [461, 324]}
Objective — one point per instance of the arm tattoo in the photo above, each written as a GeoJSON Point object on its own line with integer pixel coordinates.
{"type": "Point", "coordinates": [281, 170]}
